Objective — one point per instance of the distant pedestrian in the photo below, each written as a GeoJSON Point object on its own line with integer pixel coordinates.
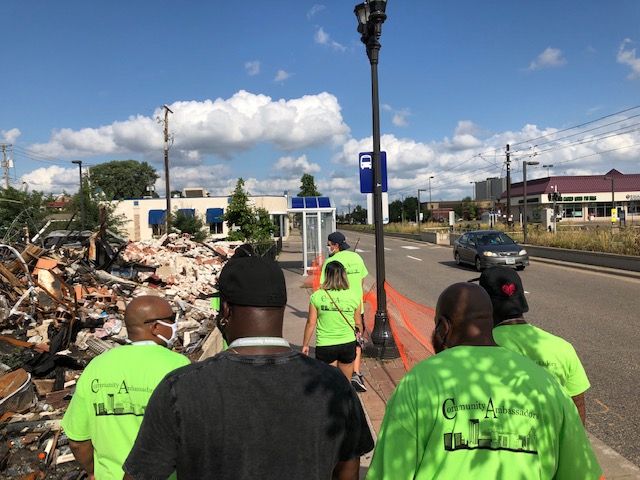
{"type": "Point", "coordinates": [356, 273]}
{"type": "Point", "coordinates": [258, 410]}
{"type": "Point", "coordinates": [512, 331]}
{"type": "Point", "coordinates": [111, 395]}
{"type": "Point", "coordinates": [335, 310]}
{"type": "Point", "coordinates": [476, 410]}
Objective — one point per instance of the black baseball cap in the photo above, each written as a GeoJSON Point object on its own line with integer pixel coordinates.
{"type": "Point", "coordinates": [253, 281]}
{"type": "Point", "coordinates": [504, 286]}
{"type": "Point", "coordinates": [339, 239]}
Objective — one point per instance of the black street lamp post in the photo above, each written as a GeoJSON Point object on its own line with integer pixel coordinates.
{"type": "Point", "coordinates": [524, 201]}
{"type": "Point", "coordinates": [371, 15]}
{"type": "Point", "coordinates": [81, 193]}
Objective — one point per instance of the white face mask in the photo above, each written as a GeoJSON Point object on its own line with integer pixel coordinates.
{"type": "Point", "coordinates": [174, 333]}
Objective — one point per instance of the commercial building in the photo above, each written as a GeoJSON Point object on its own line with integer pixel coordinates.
{"type": "Point", "coordinates": [578, 198]}
{"type": "Point", "coordinates": [145, 217]}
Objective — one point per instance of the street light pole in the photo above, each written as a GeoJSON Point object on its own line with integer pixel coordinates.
{"type": "Point", "coordinates": [524, 201]}
{"type": "Point", "coordinates": [613, 195]}
{"type": "Point", "coordinates": [430, 205]}
{"type": "Point", "coordinates": [548, 171]}
{"type": "Point", "coordinates": [473, 191]}
{"type": "Point", "coordinates": [420, 204]}
{"type": "Point", "coordinates": [371, 15]}
{"type": "Point", "coordinates": [81, 193]}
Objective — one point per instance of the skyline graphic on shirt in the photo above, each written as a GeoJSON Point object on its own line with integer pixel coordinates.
{"type": "Point", "coordinates": [490, 436]}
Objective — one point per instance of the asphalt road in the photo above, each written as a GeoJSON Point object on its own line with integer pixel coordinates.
{"type": "Point", "coordinates": [597, 312]}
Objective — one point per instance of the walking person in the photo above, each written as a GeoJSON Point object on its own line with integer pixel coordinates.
{"type": "Point", "coordinates": [111, 395]}
{"type": "Point", "coordinates": [356, 273]}
{"type": "Point", "coordinates": [512, 331]}
{"type": "Point", "coordinates": [258, 410]}
{"type": "Point", "coordinates": [476, 410]}
{"type": "Point", "coordinates": [334, 310]}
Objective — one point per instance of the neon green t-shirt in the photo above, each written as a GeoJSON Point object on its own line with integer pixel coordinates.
{"type": "Point", "coordinates": [481, 413]}
{"type": "Point", "coordinates": [554, 354]}
{"type": "Point", "coordinates": [331, 327]}
{"type": "Point", "coordinates": [110, 398]}
{"type": "Point", "coordinates": [355, 267]}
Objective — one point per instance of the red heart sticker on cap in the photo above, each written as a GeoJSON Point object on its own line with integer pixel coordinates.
{"type": "Point", "coordinates": [509, 289]}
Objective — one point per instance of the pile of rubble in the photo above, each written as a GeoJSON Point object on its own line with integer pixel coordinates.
{"type": "Point", "coordinates": [61, 307]}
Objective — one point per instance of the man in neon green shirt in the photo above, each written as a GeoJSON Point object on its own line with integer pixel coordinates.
{"type": "Point", "coordinates": [356, 273]}
{"type": "Point", "coordinates": [106, 410]}
{"type": "Point", "coordinates": [511, 330]}
{"type": "Point", "coordinates": [476, 410]}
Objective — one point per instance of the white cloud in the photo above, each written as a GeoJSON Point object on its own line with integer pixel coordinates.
{"type": "Point", "coordinates": [321, 37]}
{"type": "Point", "coordinates": [296, 166]}
{"type": "Point", "coordinates": [281, 76]}
{"type": "Point", "coordinates": [218, 127]}
{"type": "Point", "coordinates": [252, 68]}
{"type": "Point", "coordinates": [53, 179]}
{"type": "Point", "coordinates": [399, 117]}
{"type": "Point", "coordinates": [551, 57]}
{"type": "Point", "coordinates": [10, 136]}
{"type": "Point", "coordinates": [627, 56]}
{"type": "Point", "coordinates": [317, 8]}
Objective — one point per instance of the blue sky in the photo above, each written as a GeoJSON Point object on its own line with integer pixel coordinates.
{"type": "Point", "coordinates": [268, 91]}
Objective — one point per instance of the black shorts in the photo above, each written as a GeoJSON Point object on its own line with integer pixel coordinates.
{"type": "Point", "coordinates": [343, 353]}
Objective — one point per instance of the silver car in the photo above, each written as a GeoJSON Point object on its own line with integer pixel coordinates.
{"type": "Point", "coordinates": [484, 248]}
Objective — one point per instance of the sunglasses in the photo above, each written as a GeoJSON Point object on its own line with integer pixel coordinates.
{"type": "Point", "coordinates": [171, 319]}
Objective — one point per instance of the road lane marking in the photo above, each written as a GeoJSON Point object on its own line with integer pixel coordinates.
{"type": "Point", "coordinates": [362, 251]}
{"type": "Point", "coordinates": [410, 247]}
{"type": "Point", "coordinates": [414, 258]}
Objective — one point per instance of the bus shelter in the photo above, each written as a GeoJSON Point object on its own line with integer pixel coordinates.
{"type": "Point", "coordinates": [316, 216]}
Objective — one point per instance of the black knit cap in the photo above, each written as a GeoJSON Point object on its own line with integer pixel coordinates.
{"type": "Point", "coordinates": [504, 286]}
{"type": "Point", "coordinates": [253, 281]}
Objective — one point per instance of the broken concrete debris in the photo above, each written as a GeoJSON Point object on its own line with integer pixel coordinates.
{"type": "Point", "coordinates": [61, 306]}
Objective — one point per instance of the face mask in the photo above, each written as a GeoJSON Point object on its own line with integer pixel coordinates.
{"type": "Point", "coordinates": [174, 333]}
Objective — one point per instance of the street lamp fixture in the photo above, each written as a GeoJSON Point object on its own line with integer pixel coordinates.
{"type": "Point", "coordinates": [547, 167]}
{"type": "Point", "coordinates": [371, 15]}
{"type": "Point", "coordinates": [81, 193]}
{"type": "Point", "coordinates": [524, 201]}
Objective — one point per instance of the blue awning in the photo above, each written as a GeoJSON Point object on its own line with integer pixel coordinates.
{"type": "Point", "coordinates": [191, 212]}
{"type": "Point", "coordinates": [156, 217]}
{"type": "Point", "coordinates": [214, 215]}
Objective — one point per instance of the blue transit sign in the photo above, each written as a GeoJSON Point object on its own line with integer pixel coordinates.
{"type": "Point", "coordinates": [365, 164]}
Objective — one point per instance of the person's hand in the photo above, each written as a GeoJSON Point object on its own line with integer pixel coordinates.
{"type": "Point", "coordinates": [305, 350]}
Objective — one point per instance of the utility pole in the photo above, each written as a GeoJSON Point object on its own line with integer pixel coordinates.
{"type": "Point", "coordinates": [5, 163]}
{"type": "Point", "coordinates": [167, 111]}
{"type": "Point", "coordinates": [508, 183]}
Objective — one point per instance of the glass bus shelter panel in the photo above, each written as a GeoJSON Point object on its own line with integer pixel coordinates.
{"type": "Point", "coordinates": [327, 227]}
{"type": "Point", "coordinates": [312, 235]}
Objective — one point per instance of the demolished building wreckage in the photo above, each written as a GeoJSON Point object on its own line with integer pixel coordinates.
{"type": "Point", "coordinates": [60, 307]}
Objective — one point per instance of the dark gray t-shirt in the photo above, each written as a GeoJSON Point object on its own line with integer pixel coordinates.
{"type": "Point", "coordinates": [284, 416]}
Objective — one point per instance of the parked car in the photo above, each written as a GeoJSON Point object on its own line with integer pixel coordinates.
{"type": "Point", "coordinates": [484, 248]}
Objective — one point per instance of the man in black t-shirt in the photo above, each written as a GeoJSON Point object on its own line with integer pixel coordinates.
{"type": "Point", "coordinates": [258, 410]}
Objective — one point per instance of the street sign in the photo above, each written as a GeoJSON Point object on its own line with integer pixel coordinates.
{"type": "Point", "coordinates": [365, 165]}
{"type": "Point", "coordinates": [385, 208]}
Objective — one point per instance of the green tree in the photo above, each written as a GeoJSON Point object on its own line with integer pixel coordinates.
{"type": "Point", "coordinates": [245, 222]}
{"type": "Point", "coordinates": [91, 204]}
{"type": "Point", "coordinates": [19, 210]}
{"type": "Point", "coordinates": [358, 214]}
{"type": "Point", "coordinates": [185, 222]}
{"type": "Point", "coordinates": [308, 187]}
{"type": "Point", "coordinates": [120, 179]}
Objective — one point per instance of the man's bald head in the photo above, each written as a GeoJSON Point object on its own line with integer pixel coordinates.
{"type": "Point", "coordinates": [466, 311]}
{"type": "Point", "coordinates": [140, 311]}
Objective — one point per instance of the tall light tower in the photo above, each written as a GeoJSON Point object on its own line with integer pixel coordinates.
{"type": "Point", "coordinates": [524, 201]}
{"type": "Point", "coordinates": [80, 193]}
{"type": "Point", "coordinates": [371, 15]}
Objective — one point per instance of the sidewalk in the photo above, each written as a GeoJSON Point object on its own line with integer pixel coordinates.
{"type": "Point", "coordinates": [381, 376]}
